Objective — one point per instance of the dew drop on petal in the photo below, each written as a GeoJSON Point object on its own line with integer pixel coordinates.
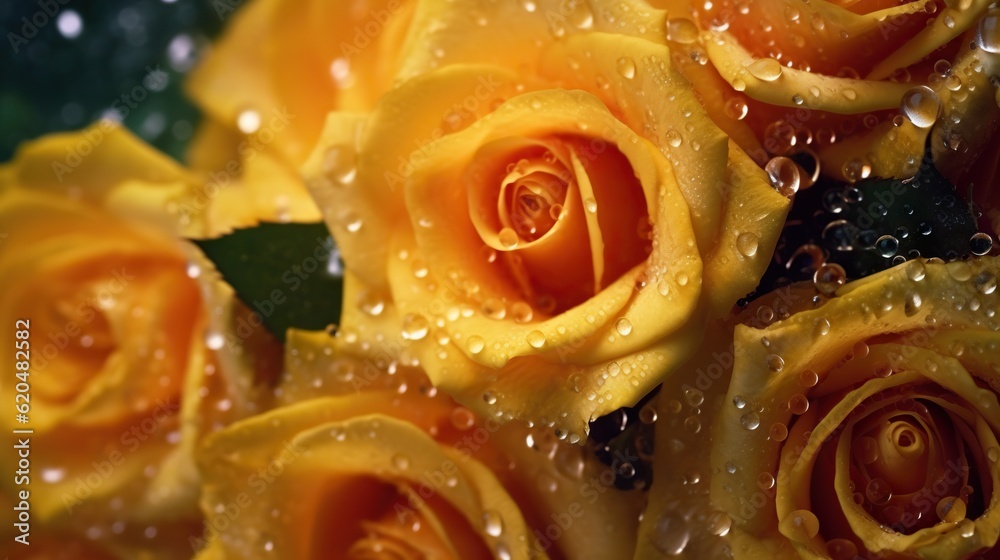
{"type": "Point", "coordinates": [415, 326]}
{"type": "Point", "coordinates": [951, 509]}
{"type": "Point", "coordinates": [746, 244]}
{"type": "Point", "coordinates": [800, 524]}
{"type": "Point", "coordinates": [536, 339]}
{"type": "Point", "coordinates": [921, 105]}
{"type": "Point", "coordinates": [988, 32]}
{"type": "Point", "coordinates": [626, 67]}
{"type": "Point", "coordinates": [784, 175]}
{"type": "Point", "coordinates": [475, 344]}
{"type": "Point", "coordinates": [767, 69]}
{"type": "Point", "coordinates": [492, 523]}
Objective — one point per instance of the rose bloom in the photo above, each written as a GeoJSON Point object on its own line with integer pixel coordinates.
{"type": "Point", "coordinates": [128, 360]}
{"type": "Point", "coordinates": [267, 84]}
{"type": "Point", "coordinates": [382, 465]}
{"type": "Point", "coordinates": [544, 205]}
{"type": "Point", "coordinates": [865, 425]}
{"type": "Point", "coordinates": [853, 87]}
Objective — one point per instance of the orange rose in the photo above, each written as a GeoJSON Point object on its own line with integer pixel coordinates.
{"type": "Point", "coordinates": [863, 425]}
{"type": "Point", "coordinates": [541, 214]}
{"type": "Point", "coordinates": [121, 357]}
{"type": "Point", "coordinates": [380, 463]}
{"type": "Point", "coordinates": [855, 86]}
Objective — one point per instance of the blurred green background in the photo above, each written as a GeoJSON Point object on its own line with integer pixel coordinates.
{"type": "Point", "coordinates": [68, 69]}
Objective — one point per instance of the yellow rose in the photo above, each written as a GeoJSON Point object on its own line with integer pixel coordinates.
{"type": "Point", "coordinates": [268, 83]}
{"type": "Point", "coordinates": [542, 208]}
{"type": "Point", "coordinates": [854, 86]}
{"type": "Point", "coordinates": [118, 335]}
{"type": "Point", "coordinates": [392, 468]}
{"type": "Point", "coordinates": [865, 425]}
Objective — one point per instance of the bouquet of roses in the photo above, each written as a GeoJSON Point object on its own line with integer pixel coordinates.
{"type": "Point", "coordinates": [519, 279]}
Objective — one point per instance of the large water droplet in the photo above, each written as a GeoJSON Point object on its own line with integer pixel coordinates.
{"type": "Point", "coordinates": [626, 67]}
{"type": "Point", "coordinates": [746, 244]}
{"type": "Point", "coordinates": [887, 246]}
{"type": "Point", "coordinates": [415, 326]}
{"type": "Point", "coordinates": [784, 175]}
{"type": "Point", "coordinates": [951, 510]}
{"type": "Point", "coordinates": [921, 105]}
{"type": "Point", "coordinates": [492, 523]}
{"type": "Point", "coordinates": [980, 244]}
{"type": "Point", "coordinates": [682, 30]}
{"type": "Point", "coordinates": [671, 535]}
{"type": "Point", "coordinates": [508, 238]}
{"type": "Point", "coordinates": [988, 32]}
{"type": "Point", "coordinates": [801, 524]}
{"type": "Point", "coordinates": [475, 344]}
{"type": "Point", "coordinates": [767, 69]}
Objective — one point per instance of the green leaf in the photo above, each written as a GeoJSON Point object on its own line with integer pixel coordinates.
{"type": "Point", "coordinates": [289, 274]}
{"type": "Point", "coordinates": [887, 220]}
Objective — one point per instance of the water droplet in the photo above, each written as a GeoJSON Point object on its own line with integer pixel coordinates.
{"type": "Point", "coordinates": [988, 32]}
{"type": "Point", "coordinates": [767, 69]}
{"type": "Point", "coordinates": [215, 341]}
{"type": "Point", "coordinates": [623, 326]}
{"type": "Point", "coordinates": [475, 344]}
{"type": "Point", "coordinates": [878, 492]}
{"type": "Point", "coordinates": [887, 246]}
{"type": "Point", "coordinates": [681, 30]}
{"type": "Point", "coordinates": [536, 339]}
{"type": "Point", "coordinates": [692, 424]}
{"type": "Point", "coordinates": [986, 282]}
{"type": "Point", "coordinates": [674, 138]}
{"type": "Point", "coordinates": [647, 414]}
{"type": "Point", "coordinates": [736, 108]}
{"type": "Point", "coordinates": [784, 175]}
{"type": "Point", "coordinates": [626, 67]}
{"type": "Point", "coordinates": [980, 244]}
{"type": "Point", "coordinates": [248, 121]}
{"type": "Point", "coordinates": [508, 238]}
{"type": "Point", "coordinates": [798, 404]}
{"type": "Point", "coordinates": [370, 303]}
{"type": "Point", "coordinates": [808, 378]}
{"type": "Point", "coordinates": [746, 244]}
{"type": "Point", "coordinates": [828, 278]}
{"type": "Point", "coordinates": [521, 312]}
{"type": "Point", "coordinates": [842, 549]}
{"type": "Point", "coordinates": [774, 362]}
{"type": "Point", "coordinates": [591, 205]}
{"type": "Point", "coordinates": [951, 509]}
{"type": "Point", "coordinates": [750, 420]}
{"type": "Point", "coordinates": [401, 462]}
{"type": "Point", "coordinates": [489, 397]}
{"type": "Point", "coordinates": [916, 271]}
{"type": "Point", "coordinates": [921, 105]}
{"type": "Point", "coordinates": [778, 432]}
{"type": "Point", "coordinates": [492, 523]}
{"type": "Point", "coordinates": [415, 326]}
{"type": "Point", "coordinates": [801, 524]}
{"type": "Point", "coordinates": [671, 535]}
{"type": "Point", "coordinates": [462, 418]}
